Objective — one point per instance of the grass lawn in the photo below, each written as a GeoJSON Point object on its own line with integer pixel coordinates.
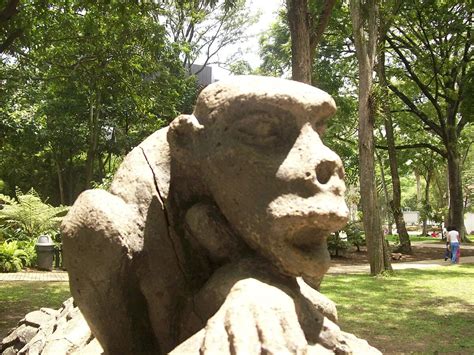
{"type": "Point", "coordinates": [19, 298]}
{"type": "Point", "coordinates": [414, 238]}
{"type": "Point", "coordinates": [412, 311]}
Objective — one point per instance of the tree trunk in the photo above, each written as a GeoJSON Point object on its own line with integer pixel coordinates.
{"type": "Point", "coordinates": [60, 182]}
{"type": "Point", "coordinates": [365, 13]}
{"type": "Point", "coordinates": [395, 204]}
{"type": "Point", "coordinates": [426, 202]}
{"type": "Point", "coordinates": [456, 208]}
{"type": "Point", "coordinates": [386, 216]}
{"type": "Point", "coordinates": [93, 140]}
{"type": "Point", "coordinates": [298, 21]}
{"type": "Point", "coordinates": [418, 188]}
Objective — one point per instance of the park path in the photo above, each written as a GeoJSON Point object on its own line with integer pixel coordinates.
{"type": "Point", "coordinates": [423, 264]}
{"type": "Point", "coordinates": [334, 269]}
{"type": "Point", "coordinates": [35, 276]}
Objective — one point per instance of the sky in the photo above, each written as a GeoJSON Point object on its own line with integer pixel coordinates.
{"type": "Point", "coordinates": [268, 10]}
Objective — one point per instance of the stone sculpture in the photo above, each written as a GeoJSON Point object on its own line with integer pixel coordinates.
{"type": "Point", "coordinates": [207, 225]}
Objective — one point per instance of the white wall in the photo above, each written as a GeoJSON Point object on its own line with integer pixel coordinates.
{"type": "Point", "coordinates": [411, 217]}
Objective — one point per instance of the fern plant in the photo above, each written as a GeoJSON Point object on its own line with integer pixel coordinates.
{"type": "Point", "coordinates": [12, 259]}
{"type": "Point", "coordinates": [31, 215]}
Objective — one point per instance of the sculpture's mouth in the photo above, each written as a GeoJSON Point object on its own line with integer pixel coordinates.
{"type": "Point", "coordinates": [320, 213]}
{"type": "Point", "coordinates": [308, 241]}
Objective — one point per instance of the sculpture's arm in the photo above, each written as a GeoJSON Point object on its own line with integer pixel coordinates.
{"type": "Point", "coordinates": [259, 318]}
{"type": "Point", "coordinates": [100, 236]}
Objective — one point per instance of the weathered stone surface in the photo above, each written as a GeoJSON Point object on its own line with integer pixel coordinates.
{"type": "Point", "coordinates": [92, 348]}
{"type": "Point", "coordinates": [36, 318]}
{"type": "Point", "coordinates": [49, 311]}
{"type": "Point", "coordinates": [11, 338]}
{"type": "Point", "coordinates": [26, 333]}
{"type": "Point", "coordinates": [10, 351]}
{"type": "Point", "coordinates": [207, 225]}
{"type": "Point", "coordinates": [65, 334]}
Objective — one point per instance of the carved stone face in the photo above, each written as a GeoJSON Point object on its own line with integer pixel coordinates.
{"type": "Point", "coordinates": [270, 174]}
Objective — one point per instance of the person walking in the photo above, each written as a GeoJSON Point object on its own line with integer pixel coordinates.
{"type": "Point", "coordinates": [454, 242]}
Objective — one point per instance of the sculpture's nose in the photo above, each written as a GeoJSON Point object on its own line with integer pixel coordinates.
{"type": "Point", "coordinates": [311, 167]}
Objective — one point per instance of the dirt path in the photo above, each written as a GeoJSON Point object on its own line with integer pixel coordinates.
{"type": "Point", "coordinates": [425, 255]}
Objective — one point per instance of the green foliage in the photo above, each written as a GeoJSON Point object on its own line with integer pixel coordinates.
{"type": "Point", "coordinates": [105, 77]}
{"type": "Point", "coordinates": [355, 235]}
{"type": "Point", "coordinates": [240, 67]}
{"type": "Point", "coordinates": [12, 258]}
{"type": "Point", "coordinates": [29, 248]}
{"type": "Point", "coordinates": [31, 215]}
{"type": "Point", "coordinates": [336, 244]}
{"type": "Point", "coordinates": [105, 183]}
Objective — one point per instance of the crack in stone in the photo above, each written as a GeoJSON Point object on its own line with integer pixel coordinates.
{"type": "Point", "coordinates": [165, 212]}
{"type": "Point", "coordinates": [168, 225]}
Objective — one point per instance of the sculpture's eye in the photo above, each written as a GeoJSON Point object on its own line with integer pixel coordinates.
{"type": "Point", "coordinates": [258, 130]}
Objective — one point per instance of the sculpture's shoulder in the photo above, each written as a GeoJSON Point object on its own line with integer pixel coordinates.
{"type": "Point", "coordinates": [145, 171]}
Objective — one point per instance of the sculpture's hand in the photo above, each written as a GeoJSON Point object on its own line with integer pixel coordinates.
{"type": "Point", "coordinates": [255, 318]}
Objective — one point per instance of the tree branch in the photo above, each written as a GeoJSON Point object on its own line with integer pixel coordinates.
{"type": "Point", "coordinates": [466, 58]}
{"type": "Point", "coordinates": [9, 41]}
{"type": "Point", "coordinates": [417, 145]}
{"type": "Point", "coordinates": [437, 129]}
{"type": "Point", "coordinates": [9, 11]}
{"type": "Point", "coordinates": [317, 32]}
{"type": "Point", "coordinates": [414, 77]}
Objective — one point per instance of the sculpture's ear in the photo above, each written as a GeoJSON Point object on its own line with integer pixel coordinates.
{"type": "Point", "coordinates": [182, 133]}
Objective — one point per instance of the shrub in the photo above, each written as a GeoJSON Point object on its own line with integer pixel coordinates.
{"type": "Point", "coordinates": [30, 215]}
{"type": "Point", "coordinates": [12, 259]}
{"type": "Point", "coordinates": [355, 235]}
{"type": "Point", "coordinates": [336, 244]}
{"type": "Point", "coordinates": [29, 247]}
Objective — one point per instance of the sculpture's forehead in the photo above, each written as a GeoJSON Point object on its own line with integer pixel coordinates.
{"type": "Point", "coordinates": [244, 94]}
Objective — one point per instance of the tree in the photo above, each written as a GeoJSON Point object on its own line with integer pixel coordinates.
{"type": "Point", "coordinates": [307, 23]}
{"type": "Point", "coordinates": [201, 29]}
{"type": "Point", "coordinates": [93, 80]}
{"type": "Point", "coordinates": [431, 47]}
{"type": "Point", "coordinates": [395, 203]}
{"type": "Point", "coordinates": [10, 30]}
{"type": "Point", "coordinates": [364, 16]}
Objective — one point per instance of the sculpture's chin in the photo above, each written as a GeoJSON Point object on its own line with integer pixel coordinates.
{"type": "Point", "coordinates": [301, 253]}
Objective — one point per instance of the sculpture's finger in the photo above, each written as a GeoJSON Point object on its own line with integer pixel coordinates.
{"type": "Point", "coordinates": [272, 333]}
{"type": "Point", "coordinates": [292, 333]}
{"type": "Point", "coordinates": [216, 340]}
{"type": "Point", "coordinates": [242, 330]}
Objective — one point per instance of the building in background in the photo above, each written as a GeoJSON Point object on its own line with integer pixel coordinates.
{"type": "Point", "coordinates": [205, 74]}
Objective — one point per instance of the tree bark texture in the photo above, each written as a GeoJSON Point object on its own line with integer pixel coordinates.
{"type": "Point", "coordinates": [456, 205]}
{"type": "Point", "coordinates": [395, 204]}
{"type": "Point", "coordinates": [386, 214]}
{"type": "Point", "coordinates": [306, 31]}
{"type": "Point", "coordinates": [60, 182]}
{"type": "Point", "coordinates": [364, 17]}
{"type": "Point", "coordinates": [299, 24]}
{"type": "Point", "coordinates": [426, 201]}
{"type": "Point", "coordinates": [93, 140]}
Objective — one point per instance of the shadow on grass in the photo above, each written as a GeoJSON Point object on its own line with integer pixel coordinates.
{"type": "Point", "coordinates": [411, 311]}
{"type": "Point", "coordinates": [19, 298]}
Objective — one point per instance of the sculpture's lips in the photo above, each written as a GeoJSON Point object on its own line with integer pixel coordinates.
{"type": "Point", "coordinates": [322, 212]}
